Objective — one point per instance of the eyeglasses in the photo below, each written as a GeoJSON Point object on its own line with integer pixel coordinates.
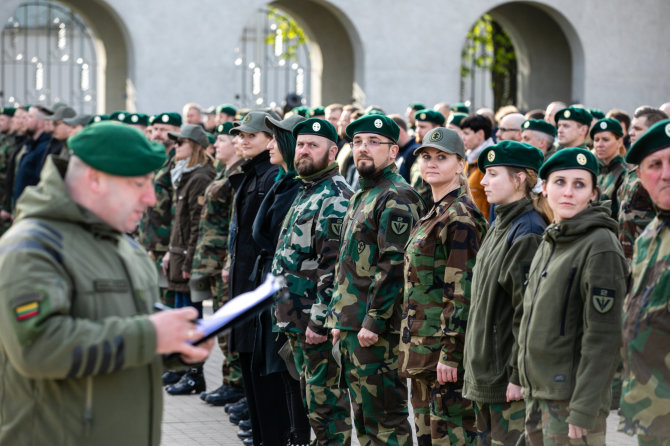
{"type": "Point", "coordinates": [503, 129]}
{"type": "Point", "coordinates": [372, 144]}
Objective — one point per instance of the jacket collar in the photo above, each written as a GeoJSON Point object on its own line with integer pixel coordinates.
{"type": "Point", "coordinates": [321, 175]}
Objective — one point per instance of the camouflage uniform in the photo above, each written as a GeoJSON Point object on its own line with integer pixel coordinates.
{"type": "Point", "coordinates": [212, 251]}
{"type": "Point", "coordinates": [610, 178]}
{"type": "Point", "coordinates": [645, 403]}
{"type": "Point", "coordinates": [635, 210]}
{"type": "Point", "coordinates": [439, 258]}
{"type": "Point", "coordinates": [420, 186]}
{"type": "Point", "coordinates": [368, 294]}
{"type": "Point", "coordinates": [546, 425]}
{"type": "Point", "coordinates": [6, 144]}
{"type": "Point", "coordinates": [305, 256]}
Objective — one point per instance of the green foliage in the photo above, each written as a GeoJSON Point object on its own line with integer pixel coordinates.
{"type": "Point", "coordinates": [292, 34]}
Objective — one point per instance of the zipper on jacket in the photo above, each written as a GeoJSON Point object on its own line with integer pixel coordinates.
{"type": "Point", "coordinates": [88, 410]}
{"type": "Point", "coordinates": [567, 298]}
{"type": "Point", "coordinates": [496, 349]}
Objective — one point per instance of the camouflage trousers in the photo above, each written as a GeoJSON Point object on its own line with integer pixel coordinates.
{"type": "Point", "coordinates": [499, 423]}
{"type": "Point", "coordinates": [328, 407]}
{"type": "Point", "coordinates": [647, 440]}
{"type": "Point", "coordinates": [231, 369]}
{"type": "Point", "coordinates": [378, 394]}
{"type": "Point", "coordinates": [441, 414]}
{"type": "Point", "coordinates": [546, 425]}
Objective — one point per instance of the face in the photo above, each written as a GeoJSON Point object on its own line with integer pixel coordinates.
{"type": "Point", "coordinates": [193, 116]}
{"type": "Point", "coordinates": [159, 133]}
{"type": "Point", "coordinates": [184, 149]}
{"type": "Point", "coordinates": [345, 119]}
{"type": "Point", "coordinates": [125, 199]}
{"type": "Point", "coordinates": [457, 129]}
{"type": "Point", "coordinates": [531, 137]}
{"type": "Point", "coordinates": [507, 131]}
{"type": "Point", "coordinates": [61, 131]}
{"type": "Point", "coordinates": [423, 127]}
{"type": "Point", "coordinates": [4, 123]}
{"type": "Point", "coordinates": [76, 129]}
{"type": "Point", "coordinates": [569, 192]}
{"type": "Point", "coordinates": [654, 171]}
{"type": "Point", "coordinates": [275, 155]}
{"type": "Point", "coordinates": [223, 117]}
{"type": "Point", "coordinates": [571, 133]}
{"type": "Point", "coordinates": [550, 112]}
{"type": "Point", "coordinates": [472, 139]}
{"type": "Point", "coordinates": [313, 153]}
{"type": "Point", "coordinates": [333, 116]}
{"type": "Point", "coordinates": [440, 169]}
{"type": "Point", "coordinates": [225, 150]}
{"type": "Point", "coordinates": [18, 121]}
{"type": "Point", "coordinates": [500, 187]}
{"type": "Point", "coordinates": [409, 114]}
{"type": "Point", "coordinates": [49, 126]}
{"type": "Point", "coordinates": [31, 121]}
{"type": "Point", "coordinates": [210, 122]}
{"type": "Point", "coordinates": [372, 153]}
{"type": "Point", "coordinates": [606, 146]}
{"type": "Point", "coordinates": [253, 144]}
{"type": "Point", "coordinates": [637, 127]}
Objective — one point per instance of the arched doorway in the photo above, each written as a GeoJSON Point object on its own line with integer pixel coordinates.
{"type": "Point", "coordinates": [549, 56]}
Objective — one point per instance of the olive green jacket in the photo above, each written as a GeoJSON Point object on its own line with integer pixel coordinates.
{"type": "Point", "coordinates": [77, 351]}
{"type": "Point", "coordinates": [570, 330]}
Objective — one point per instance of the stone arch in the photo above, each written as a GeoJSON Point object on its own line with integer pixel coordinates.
{"type": "Point", "coordinates": [336, 63]}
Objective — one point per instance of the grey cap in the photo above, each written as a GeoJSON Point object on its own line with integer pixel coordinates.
{"type": "Point", "coordinates": [78, 120]}
{"type": "Point", "coordinates": [193, 132]}
{"type": "Point", "coordinates": [445, 140]}
{"type": "Point", "coordinates": [253, 122]}
{"type": "Point", "coordinates": [286, 124]}
{"type": "Point", "coordinates": [200, 286]}
{"type": "Point", "coordinates": [62, 113]}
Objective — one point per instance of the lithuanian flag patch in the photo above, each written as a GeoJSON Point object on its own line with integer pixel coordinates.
{"type": "Point", "coordinates": [27, 306]}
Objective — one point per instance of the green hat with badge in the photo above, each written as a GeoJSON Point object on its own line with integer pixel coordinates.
{"type": "Point", "coordinates": [226, 109]}
{"type": "Point", "coordinates": [118, 115]}
{"type": "Point", "coordinates": [577, 114]}
{"type": "Point", "coordinates": [539, 125]}
{"type": "Point", "coordinates": [224, 128]}
{"type": "Point", "coordinates": [117, 149]}
{"type": "Point", "coordinates": [136, 119]}
{"type": "Point", "coordinates": [445, 140]}
{"type": "Point", "coordinates": [317, 111]}
{"type": "Point", "coordinates": [429, 115]}
{"type": "Point", "coordinates": [316, 126]}
{"type": "Point", "coordinates": [253, 122]}
{"type": "Point", "coordinates": [510, 153]}
{"type": "Point", "coordinates": [8, 111]}
{"type": "Point", "coordinates": [456, 118]}
{"type": "Point", "coordinates": [211, 138]}
{"type": "Point", "coordinates": [302, 111]}
{"type": "Point", "coordinates": [379, 124]}
{"type": "Point", "coordinates": [571, 158]}
{"type": "Point", "coordinates": [98, 118]}
{"type": "Point", "coordinates": [657, 137]}
{"type": "Point", "coordinates": [607, 125]}
{"type": "Point", "coordinates": [460, 108]}
{"type": "Point", "coordinates": [169, 118]}
{"type": "Point", "coordinates": [192, 132]}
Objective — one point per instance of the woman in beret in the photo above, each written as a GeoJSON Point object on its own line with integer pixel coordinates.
{"type": "Point", "coordinates": [192, 173]}
{"type": "Point", "coordinates": [439, 257]}
{"type": "Point", "coordinates": [608, 146]}
{"type": "Point", "coordinates": [499, 276]}
{"type": "Point", "coordinates": [570, 330]}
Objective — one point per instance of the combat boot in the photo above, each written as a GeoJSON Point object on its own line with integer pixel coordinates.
{"type": "Point", "coordinates": [234, 407]}
{"type": "Point", "coordinates": [192, 382]}
{"type": "Point", "coordinates": [172, 376]}
{"type": "Point", "coordinates": [225, 395]}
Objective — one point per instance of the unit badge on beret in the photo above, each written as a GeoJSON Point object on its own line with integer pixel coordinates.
{"type": "Point", "coordinates": [134, 118]}
{"type": "Point", "coordinates": [436, 136]}
{"type": "Point", "coordinates": [566, 114]}
{"type": "Point", "coordinates": [491, 156]}
{"type": "Point", "coordinates": [667, 130]}
{"type": "Point", "coordinates": [122, 116]}
{"type": "Point", "coordinates": [526, 125]}
{"type": "Point", "coordinates": [422, 116]}
{"type": "Point", "coordinates": [378, 123]}
{"type": "Point", "coordinates": [219, 128]}
{"type": "Point", "coordinates": [581, 159]}
{"type": "Point", "coordinates": [316, 126]}
{"type": "Point", "coordinates": [603, 125]}
{"type": "Point", "coordinates": [97, 119]}
{"type": "Point", "coordinates": [165, 118]}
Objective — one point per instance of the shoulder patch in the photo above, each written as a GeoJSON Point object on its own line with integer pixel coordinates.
{"type": "Point", "coordinates": [603, 299]}
{"type": "Point", "coordinates": [334, 228]}
{"type": "Point", "coordinates": [398, 227]}
{"type": "Point", "coordinates": [27, 305]}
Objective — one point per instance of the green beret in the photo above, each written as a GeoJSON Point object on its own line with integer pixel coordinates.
{"type": "Point", "coordinates": [226, 109]}
{"type": "Point", "coordinates": [27, 107]}
{"type": "Point", "coordinates": [253, 122]}
{"type": "Point", "coordinates": [460, 108]}
{"type": "Point", "coordinates": [302, 111]}
{"type": "Point", "coordinates": [375, 111]}
{"type": "Point", "coordinates": [169, 118]}
{"type": "Point", "coordinates": [416, 106]}
{"type": "Point", "coordinates": [117, 149]}
{"type": "Point", "coordinates": [456, 118]}
{"type": "Point", "coordinates": [119, 115]}
{"type": "Point", "coordinates": [98, 118]}
{"type": "Point", "coordinates": [429, 115]}
{"type": "Point", "coordinates": [577, 114]}
{"type": "Point", "coordinates": [211, 138]}
{"type": "Point", "coordinates": [606, 125]}
{"type": "Point", "coordinates": [656, 138]}
{"type": "Point", "coordinates": [539, 125]}
{"type": "Point", "coordinates": [7, 111]}
{"type": "Point", "coordinates": [571, 158]}
{"type": "Point", "coordinates": [136, 119]}
{"type": "Point", "coordinates": [317, 111]}
{"type": "Point", "coordinates": [445, 140]}
{"type": "Point", "coordinates": [510, 153]}
{"type": "Point", "coordinates": [316, 126]}
{"type": "Point", "coordinates": [379, 124]}
{"type": "Point", "coordinates": [224, 128]}
{"type": "Point", "coordinates": [598, 114]}
{"type": "Point", "coordinates": [191, 132]}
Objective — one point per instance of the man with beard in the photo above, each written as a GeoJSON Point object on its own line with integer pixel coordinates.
{"type": "Point", "coordinates": [60, 130]}
{"type": "Point", "coordinates": [364, 313]}
{"type": "Point", "coordinates": [306, 256]}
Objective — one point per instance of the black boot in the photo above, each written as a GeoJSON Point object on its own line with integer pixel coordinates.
{"type": "Point", "coordinates": [225, 395]}
{"type": "Point", "coordinates": [172, 376]}
{"type": "Point", "coordinates": [191, 382]}
{"type": "Point", "coordinates": [205, 395]}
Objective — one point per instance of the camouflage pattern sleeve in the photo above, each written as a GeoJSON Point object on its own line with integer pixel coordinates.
{"type": "Point", "coordinates": [196, 200]}
{"type": "Point", "coordinates": [158, 220]}
{"type": "Point", "coordinates": [635, 211]}
{"type": "Point", "coordinates": [610, 178]}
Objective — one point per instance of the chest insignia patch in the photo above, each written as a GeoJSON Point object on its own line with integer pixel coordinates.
{"type": "Point", "coordinates": [334, 228]}
{"type": "Point", "coordinates": [360, 247]}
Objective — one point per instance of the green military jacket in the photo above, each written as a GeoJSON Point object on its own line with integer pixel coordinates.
{"type": "Point", "coordinates": [570, 330]}
{"type": "Point", "coordinates": [307, 251]}
{"type": "Point", "coordinates": [368, 274]}
{"type": "Point", "coordinates": [77, 349]}
{"type": "Point", "coordinates": [498, 285]}
{"type": "Point", "coordinates": [610, 178]}
{"type": "Point", "coordinates": [635, 210]}
{"type": "Point", "coordinates": [439, 258]}
{"type": "Point", "coordinates": [645, 400]}
{"type": "Point", "coordinates": [155, 226]}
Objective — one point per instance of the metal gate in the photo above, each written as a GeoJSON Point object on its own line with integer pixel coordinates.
{"type": "Point", "coordinates": [47, 55]}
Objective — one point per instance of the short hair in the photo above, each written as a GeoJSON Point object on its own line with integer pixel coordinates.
{"type": "Point", "coordinates": [189, 106]}
{"type": "Point", "coordinates": [355, 114]}
{"type": "Point", "coordinates": [477, 123]}
{"type": "Point", "coordinates": [537, 113]}
{"type": "Point", "coordinates": [652, 114]}
{"type": "Point", "coordinates": [504, 111]}
{"type": "Point", "coordinates": [334, 107]}
{"type": "Point", "coordinates": [619, 115]}
{"type": "Point", "coordinates": [398, 120]}
{"type": "Point", "coordinates": [350, 108]}
{"type": "Point", "coordinates": [544, 136]}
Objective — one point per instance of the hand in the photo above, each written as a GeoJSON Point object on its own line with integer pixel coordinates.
{"type": "Point", "coordinates": [165, 262]}
{"type": "Point", "coordinates": [185, 275]}
{"type": "Point", "coordinates": [367, 338]}
{"type": "Point", "coordinates": [224, 275]}
{"type": "Point", "coordinates": [513, 393]}
{"type": "Point", "coordinates": [313, 338]}
{"type": "Point", "coordinates": [5, 215]}
{"type": "Point", "coordinates": [208, 344]}
{"type": "Point", "coordinates": [446, 374]}
{"type": "Point", "coordinates": [336, 334]}
{"type": "Point", "coordinates": [174, 328]}
{"type": "Point", "coordinates": [576, 432]}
